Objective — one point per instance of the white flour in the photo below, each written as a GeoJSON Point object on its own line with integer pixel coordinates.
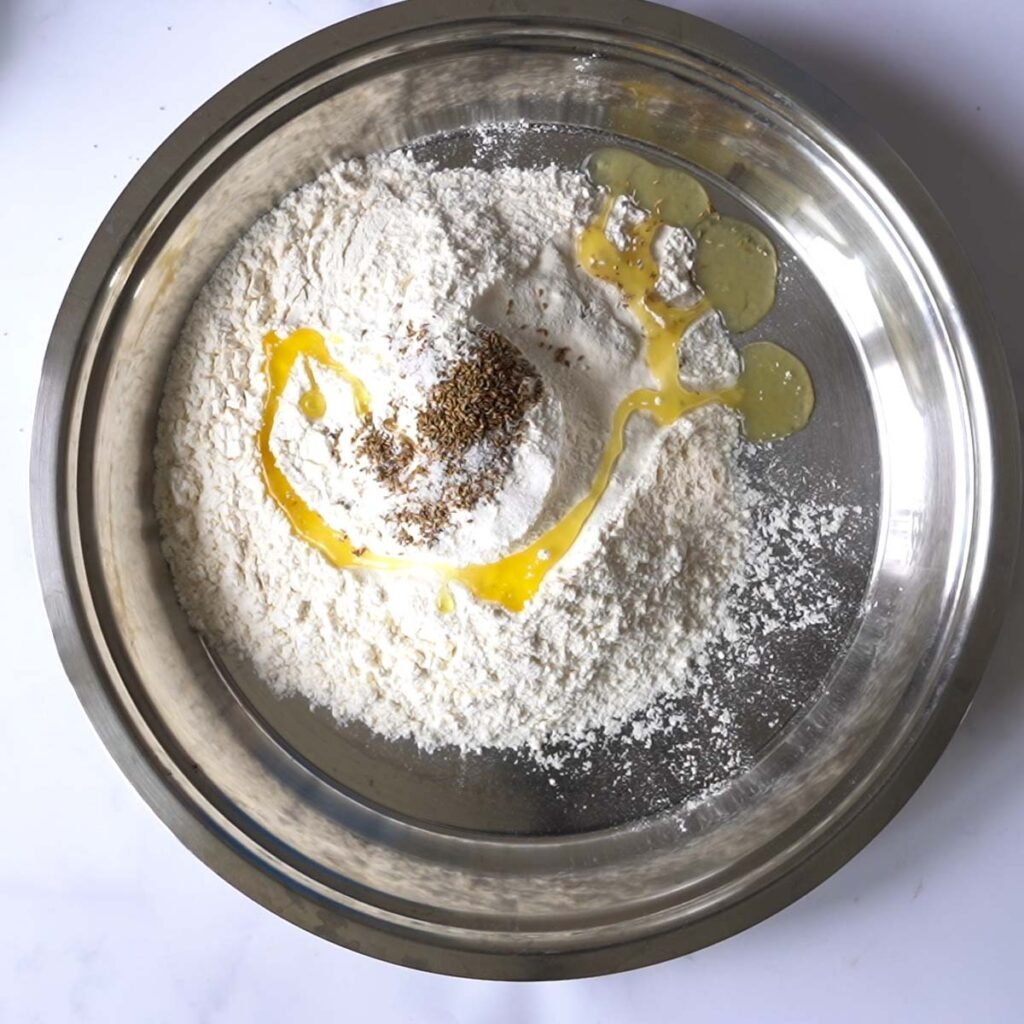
{"type": "Point", "coordinates": [357, 254]}
{"type": "Point", "coordinates": [326, 467]}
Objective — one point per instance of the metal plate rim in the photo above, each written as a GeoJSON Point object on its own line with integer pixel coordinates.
{"type": "Point", "coordinates": [173, 796]}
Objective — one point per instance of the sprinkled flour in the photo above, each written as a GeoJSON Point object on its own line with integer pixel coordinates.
{"type": "Point", "coordinates": [379, 251]}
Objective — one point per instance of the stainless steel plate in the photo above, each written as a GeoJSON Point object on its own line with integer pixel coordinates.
{"type": "Point", "coordinates": [479, 866]}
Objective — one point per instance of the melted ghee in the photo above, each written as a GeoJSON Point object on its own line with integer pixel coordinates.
{"type": "Point", "coordinates": [736, 268]}
{"type": "Point", "coordinates": [445, 601]}
{"type": "Point", "coordinates": [281, 354]}
{"type": "Point", "coordinates": [312, 401]}
{"type": "Point", "coordinates": [735, 265]}
{"type": "Point", "coordinates": [773, 395]}
{"type": "Point", "coordinates": [674, 196]}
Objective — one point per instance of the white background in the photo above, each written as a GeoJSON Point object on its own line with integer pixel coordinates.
{"type": "Point", "coordinates": [105, 917]}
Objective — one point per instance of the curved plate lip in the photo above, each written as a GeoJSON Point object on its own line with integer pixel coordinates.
{"type": "Point", "coordinates": [156, 776]}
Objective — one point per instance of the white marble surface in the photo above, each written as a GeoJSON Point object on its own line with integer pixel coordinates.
{"type": "Point", "coordinates": [105, 917]}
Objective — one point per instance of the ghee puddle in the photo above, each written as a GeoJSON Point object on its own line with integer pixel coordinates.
{"type": "Point", "coordinates": [773, 394]}
{"type": "Point", "coordinates": [674, 196]}
{"type": "Point", "coordinates": [734, 264]}
{"type": "Point", "coordinates": [736, 268]}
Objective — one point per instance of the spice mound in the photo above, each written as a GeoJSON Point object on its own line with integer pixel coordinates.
{"type": "Point", "coordinates": [466, 433]}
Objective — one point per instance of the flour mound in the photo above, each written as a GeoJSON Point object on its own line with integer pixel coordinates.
{"type": "Point", "coordinates": [359, 254]}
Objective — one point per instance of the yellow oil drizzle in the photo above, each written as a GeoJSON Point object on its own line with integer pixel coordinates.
{"type": "Point", "coordinates": [281, 354]}
{"type": "Point", "coordinates": [773, 395]}
{"type": "Point", "coordinates": [445, 600]}
{"type": "Point", "coordinates": [312, 401]}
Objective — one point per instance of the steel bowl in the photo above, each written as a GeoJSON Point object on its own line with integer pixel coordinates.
{"type": "Point", "coordinates": [477, 866]}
